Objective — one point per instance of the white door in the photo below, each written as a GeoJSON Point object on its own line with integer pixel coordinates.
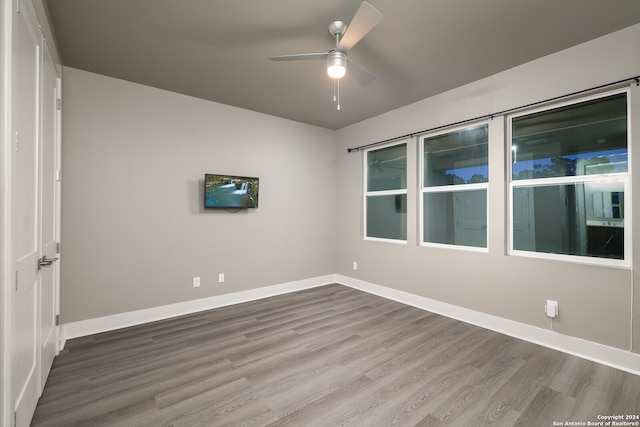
{"type": "Point", "coordinates": [49, 196]}
{"type": "Point", "coordinates": [34, 212]}
{"type": "Point", "coordinates": [25, 208]}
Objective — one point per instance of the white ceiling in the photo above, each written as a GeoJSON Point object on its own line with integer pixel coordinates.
{"type": "Point", "coordinates": [219, 49]}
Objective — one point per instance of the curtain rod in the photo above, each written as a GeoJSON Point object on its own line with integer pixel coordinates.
{"type": "Point", "coordinates": [499, 113]}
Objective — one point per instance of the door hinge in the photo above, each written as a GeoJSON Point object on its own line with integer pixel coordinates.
{"type": "Point", "coordinates": [57, 320]}
{"type": "Point", "coordinates": [58, 175]}
{"type": "Point", "coordinates": [16, 281]}
{"type": "Point", "coordinates": [18, 6]}
{"type": "Point", "coordinates": [59, 103]}
{"type": "Point", "coordinates": [17, 141]}
{"type": "Point", "coordinates": [58, 247]}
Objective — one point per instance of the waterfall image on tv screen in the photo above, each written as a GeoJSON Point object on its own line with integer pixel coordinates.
{"type": "Point", "coordinates": [226, 191]}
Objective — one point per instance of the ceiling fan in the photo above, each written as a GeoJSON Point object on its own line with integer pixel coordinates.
{"type": "Point", "coordinates": [346, 37]}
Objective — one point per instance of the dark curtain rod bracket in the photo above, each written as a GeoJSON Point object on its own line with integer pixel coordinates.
{"type": "Point", "coordinates": [499, 113]}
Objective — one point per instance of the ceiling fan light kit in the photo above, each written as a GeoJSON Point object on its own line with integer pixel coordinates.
{"type": "Point", "coordinates": [336, 64]}
{"type": "Point", "coordinates": [346, 37]}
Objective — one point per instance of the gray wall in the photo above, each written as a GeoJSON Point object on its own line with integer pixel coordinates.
{"type": "Point", "coordinates": [594, 301]}
{"type": "Point", "coordinates": [134, 231]}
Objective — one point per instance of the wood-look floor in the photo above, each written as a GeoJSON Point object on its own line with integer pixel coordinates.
{"type": "Point", "coordinates": [327, 356]}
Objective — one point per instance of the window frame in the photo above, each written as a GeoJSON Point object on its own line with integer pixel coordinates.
{"type": "Point", "coordinates": [625, 177]}
{"type": "Point", "coordinates": [380, 193]}
{"type": "Point", "coordinates": [451, 188]}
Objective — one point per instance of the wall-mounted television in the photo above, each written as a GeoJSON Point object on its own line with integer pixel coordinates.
{"type": "Point", "coordinates": [228, 191]}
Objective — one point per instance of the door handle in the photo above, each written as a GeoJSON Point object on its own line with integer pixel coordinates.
{"type": "Point", "coordinates": [45, 262]}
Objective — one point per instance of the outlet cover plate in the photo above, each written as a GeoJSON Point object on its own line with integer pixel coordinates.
{"type": "Point", "coordinates": [551, 308]}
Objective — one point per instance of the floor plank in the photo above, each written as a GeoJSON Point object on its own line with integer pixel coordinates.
{"type": "Point", "coordinates": [326, 356]}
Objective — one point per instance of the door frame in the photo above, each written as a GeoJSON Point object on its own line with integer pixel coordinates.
{"type": "Point", "coordinates": [6, 301]}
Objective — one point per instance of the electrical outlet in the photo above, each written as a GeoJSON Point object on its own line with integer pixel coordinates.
{"type": "Point", "coordinates": [220, 277]}
{"type": "Point", "coordinates": [551, 308]}
{"type": "Point", "coordinates": [355, 265]}
{"type": "Point", "coordinates": [196, 282]}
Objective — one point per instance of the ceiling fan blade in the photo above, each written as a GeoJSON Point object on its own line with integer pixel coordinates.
{"type": "Point", "coordinates": [299, 56]}
{"type": "Point", "coordinates": [359, 74]}
{"type": "Point", "coordinates": [364, 20]}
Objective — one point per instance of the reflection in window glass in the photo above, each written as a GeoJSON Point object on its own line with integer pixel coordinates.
{"type": "Point", "coordinates": [386, 193]}
{"type": "Point", "coordinates": [584, 219]}
{"type": "Point", "coordinates": [387, 168]}
{"type": "Point", "coordinates": [455, 177]}
{"type": "Point", "coordinates": [571, 203]}
{"type": "Point", "coordinates": [572, 140]}
{"type": "Point", "coordinates": [456, 158]}
{"type": "Point", "coordinates": [456, 218]}
{"type": "Point", "coordinates": [387, 217]}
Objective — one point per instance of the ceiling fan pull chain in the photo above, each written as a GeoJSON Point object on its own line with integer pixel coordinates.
{"type": "Point", "coordinates": [336, 82]}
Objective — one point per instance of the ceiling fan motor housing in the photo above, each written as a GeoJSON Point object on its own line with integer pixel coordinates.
{"type": "Point", "coordinates": [337, 28]}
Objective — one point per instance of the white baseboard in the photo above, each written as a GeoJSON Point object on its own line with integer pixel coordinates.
{"type": "Point", "coordinates": [610, 356]}
{"type": "Point", "coordinates": [123, 320]}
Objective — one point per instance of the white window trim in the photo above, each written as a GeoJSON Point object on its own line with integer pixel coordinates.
{"type": "Point", "coordinates": [448, 189]}
{"type": "Point", "coordinates": [625, 177]}
{"type": "Point", "coordinates": [381, 192]}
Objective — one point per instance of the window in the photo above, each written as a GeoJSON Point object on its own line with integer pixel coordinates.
{"type": "Point", "coordinates": [570, 181]}
{"type": "Point", "coordinates": [455, 177]}
{"type": "Point", "coordinates": [386, 193]}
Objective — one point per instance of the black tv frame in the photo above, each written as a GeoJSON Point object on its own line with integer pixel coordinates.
{"type": "Point", "coordinates": [239, 192]}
